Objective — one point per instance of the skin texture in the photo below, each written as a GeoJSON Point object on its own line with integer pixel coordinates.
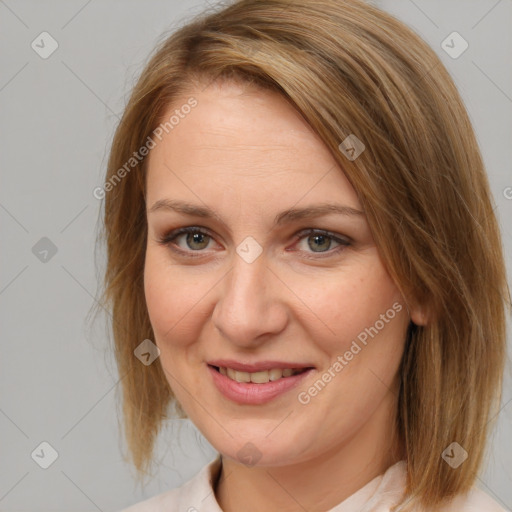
{"type": "Point", "coordinates": [248, 155]}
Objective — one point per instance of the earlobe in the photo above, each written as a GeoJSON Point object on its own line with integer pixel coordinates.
{"type": "Point", "coordinates": [419, 315]}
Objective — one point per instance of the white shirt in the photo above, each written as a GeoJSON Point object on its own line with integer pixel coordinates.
{"type": "Point", "coordinates": [378, 495]}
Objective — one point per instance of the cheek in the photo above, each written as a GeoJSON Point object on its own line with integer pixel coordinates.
{"type": "Point", "coordinates": [342, 306]}
{"type": "Point", "coordinates": [173, 300]}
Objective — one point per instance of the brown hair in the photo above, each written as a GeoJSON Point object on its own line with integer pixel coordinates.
{"type": "Point", "coordinates": [348, 68]}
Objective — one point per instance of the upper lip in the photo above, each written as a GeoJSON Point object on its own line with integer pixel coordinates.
{"type": "Point", "coordinates": [257, 366]}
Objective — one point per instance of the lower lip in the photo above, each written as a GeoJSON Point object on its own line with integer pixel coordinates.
{"type": "Point", "coordinates": [254, 394]}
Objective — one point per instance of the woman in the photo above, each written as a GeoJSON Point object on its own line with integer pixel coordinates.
{"type": "Point", "coordinates": [303, 258]}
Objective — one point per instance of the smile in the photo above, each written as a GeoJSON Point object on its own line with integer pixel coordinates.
{"type": "Point", "coordinates": [255, 388]}
{"type": "Point", "coordinates": [260, 377]}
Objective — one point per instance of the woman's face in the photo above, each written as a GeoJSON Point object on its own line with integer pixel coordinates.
{"type": "Point", "coordinates": [250, 287]}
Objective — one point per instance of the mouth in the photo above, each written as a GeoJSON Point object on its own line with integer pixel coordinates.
{"type": "Point", "coordinates": [259, 377]}
{"type": "Point", "coordinates": [256, 387]}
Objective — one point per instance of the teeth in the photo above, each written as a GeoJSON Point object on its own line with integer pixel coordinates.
{"type": "Point", "coordinates": [259, 377]}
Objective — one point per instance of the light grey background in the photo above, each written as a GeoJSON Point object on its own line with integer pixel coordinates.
{"type": "Point", "coordinates": [58, 381]}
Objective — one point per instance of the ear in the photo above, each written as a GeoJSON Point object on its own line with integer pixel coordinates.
{"type": "Point", "coordinates": [419, 315]}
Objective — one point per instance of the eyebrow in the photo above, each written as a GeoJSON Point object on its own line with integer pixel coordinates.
{"type": "Point", "coordinates": [289, 215]}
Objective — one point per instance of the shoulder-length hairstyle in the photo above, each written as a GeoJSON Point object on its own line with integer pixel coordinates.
{"type": "Point", "coordinates": [348, 68]}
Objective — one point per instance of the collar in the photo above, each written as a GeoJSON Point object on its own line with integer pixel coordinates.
{"type": "Point", "coordinates": [378, 495]}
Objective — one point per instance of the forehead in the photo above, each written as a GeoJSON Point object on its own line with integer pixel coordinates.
{"type": "Point", "coordinates": [249, 141]}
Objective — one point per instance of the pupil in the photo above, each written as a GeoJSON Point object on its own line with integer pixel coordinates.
{"type": "Point", "coordinates": [195, 238]}
{"type": "Point", "coordinates": [322, 239]}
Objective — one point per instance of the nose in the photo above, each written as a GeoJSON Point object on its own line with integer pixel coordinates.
{"type": "Point", "coordinates": [251, 308]}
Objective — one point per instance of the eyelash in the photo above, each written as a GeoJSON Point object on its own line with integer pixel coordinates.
{"type": "Point", "coordinates": [168, 238]}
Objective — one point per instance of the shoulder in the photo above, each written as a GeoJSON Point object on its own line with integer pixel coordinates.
{"type": "Point", "coordinates": [195, 494]}
{"type": "Point", "coordinates": [392, 484]}
{"type": "Point", "coordinates": [475, 500]}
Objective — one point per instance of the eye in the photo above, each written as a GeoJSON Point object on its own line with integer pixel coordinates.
{"type": "Point", "coordinates": [196, 239]}
{"type": "Point", "coordinates": [322, 240]}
